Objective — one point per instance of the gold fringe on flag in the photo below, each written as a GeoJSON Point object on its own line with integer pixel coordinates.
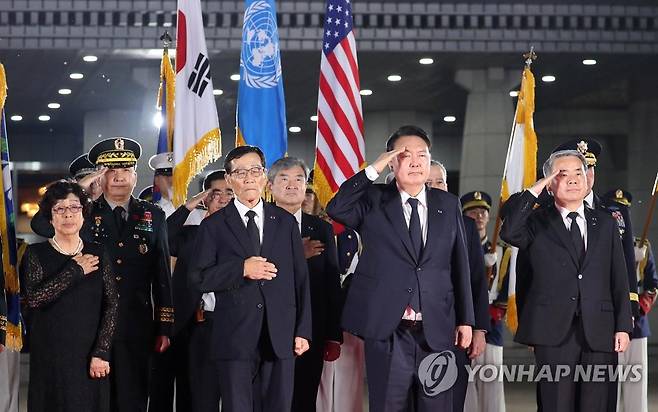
{"type": "Point", "coordinates": [169, 76]}
{"type": "Point", "coordinates": [205, 151]}
{"type": "Point", "coordinates": [524, 115]}
{"type": "Point", "coordinates": [3, 87]}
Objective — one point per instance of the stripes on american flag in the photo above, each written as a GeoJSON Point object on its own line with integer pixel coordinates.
{"type": "Point", "coordinates": [340, 146]}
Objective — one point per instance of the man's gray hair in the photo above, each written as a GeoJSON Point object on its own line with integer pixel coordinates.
{"type": "Point", "coordinates": [548, 164]}
{"type": "Point", "coordinates": [437, 163]}
{"type": "Point", "coordinates": [286, 163]}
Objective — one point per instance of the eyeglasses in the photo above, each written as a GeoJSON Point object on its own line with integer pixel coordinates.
{"type": "Point", "coordinates": [60, 210]}
{"type": "Point", "coordinates": [217, 193]}
{"type": "Point", "coordinates": [241, 174]}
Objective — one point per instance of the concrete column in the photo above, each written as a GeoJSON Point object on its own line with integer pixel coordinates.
{"type": "Point", "coordinates": [487, 127]}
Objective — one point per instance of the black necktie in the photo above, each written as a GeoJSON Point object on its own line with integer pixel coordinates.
{"type": "Point", "coordinates": [415, 231]}
{"type": "Point", "coordinates": [576, 237]}
{"type": "Point", "coordinates": [118, 217]}
{"type": "Point", "coordinates": [252, 230]}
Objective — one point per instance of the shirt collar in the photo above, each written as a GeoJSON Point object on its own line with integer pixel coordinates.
{"type": "Point", "coordinates": [422, 196]}
{"type": "Point", "coordinates": [564, 212]}
{"type": "Point", "coordinates": [113, 205]}
{"type": "Point", "coordinates": [298, 216]}
{"type": "Point", "coordinates": [243, 209]}
{"type": "Point", "coordinates": [590, 199]}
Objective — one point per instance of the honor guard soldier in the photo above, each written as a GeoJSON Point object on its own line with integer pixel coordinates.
{"type": "Point", "coordinates": [490, 395]}
{"type": "Point", "coordinates": [633, 395]}
{"type": "Point", "coordinates": [163, 166]}
{"type": "Point", "coordinates": [135, 235]}
{"type": "Point", "coordinates": [591, 149]}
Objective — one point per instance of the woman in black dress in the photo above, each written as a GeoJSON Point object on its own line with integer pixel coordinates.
{"type": "Point", "coordinates": [70, 288]}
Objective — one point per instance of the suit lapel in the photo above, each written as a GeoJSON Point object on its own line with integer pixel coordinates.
{"type": "Point", "coordinates": [135, 212]}
{"type": "Point", "coordinates": [394, 213]}
{"type": "Point", "coordinates": [562, 233]}
{"type": "Point", "coordinates": [592, 234]}
{"type": "Point", "coordinates": [105, 212]}
{"type": "Point", "coordinates": [270, 220]}
{"type": "Point", "coordinates": [238, 228]}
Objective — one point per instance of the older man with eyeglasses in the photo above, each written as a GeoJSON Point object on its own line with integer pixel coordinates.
{"type": "Point", "coordinates": [250, 254]}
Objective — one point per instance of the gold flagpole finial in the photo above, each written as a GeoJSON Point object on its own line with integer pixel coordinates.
{"type": "Point", "coordinates": [166, 39]}
{"type": "Point", "coordinates": [530, 57]}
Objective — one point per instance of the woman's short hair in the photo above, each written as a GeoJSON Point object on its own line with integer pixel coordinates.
{"type": "Point", "coordinates": [59, 191]}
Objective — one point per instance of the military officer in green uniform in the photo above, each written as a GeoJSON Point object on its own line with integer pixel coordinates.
{"type": "Point", "coordinates": [135, 234]}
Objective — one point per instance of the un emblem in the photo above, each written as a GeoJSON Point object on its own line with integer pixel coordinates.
{"type": "Point", "coordinates": [437, 372]}
{"type": "Point", "coordinates": [260, 47]}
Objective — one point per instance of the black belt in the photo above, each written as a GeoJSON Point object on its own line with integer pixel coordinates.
{"type": "Point", "coordinates": [411, 324]}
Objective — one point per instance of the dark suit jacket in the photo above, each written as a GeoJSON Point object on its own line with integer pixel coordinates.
{"type": "Point", "coordinates": [388, 268]}
{"type": "Point", "coordinates": [551, 290]}
{"type": "Point", "coordinates": [478, 275]}
{"type": "Point", "coordinates": [242, 305]}
{"type": "Point", "coordinates": [324, 281]}
{"type": "Point", "coordinates": [181, 245]}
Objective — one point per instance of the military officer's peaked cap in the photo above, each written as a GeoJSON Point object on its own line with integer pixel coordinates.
{"type": "Point", "coordinates": [589, 148]}
{"type": "Point", "coordinates": [146, 193]}
{"type": "Point", "coordinates": [162, 163]}
{"type": "Point", "coordinates": [475, 199]}
{"type": "Point", "coordinates": [620, 196]}
{"type": "Point", "coordinates": [115, 152]}
{"type": "Point", "coordinates": [81, 167]}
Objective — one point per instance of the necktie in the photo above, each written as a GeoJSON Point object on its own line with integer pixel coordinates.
{"type": "Point", "coordinates": [252, 231]}
{"type": "Point", "coordinates": [118, 217]}
{"type": "Point", "coordinates": [415, 231]}
{"type": "Point", "coordinates": [576, 237]}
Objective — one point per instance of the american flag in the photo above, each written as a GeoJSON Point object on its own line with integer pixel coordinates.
{"type": "Point", "coordinates": [340, 146]}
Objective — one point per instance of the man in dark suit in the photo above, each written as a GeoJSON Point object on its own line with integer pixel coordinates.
{"type": "Point", "coordinates": [411, 296]}
{"type": "Point", "coordinates": [573, 291]}
{"type": "Point", "coordinates": [195, 373]}
{"type": "Point", "coordinates": [287, 183]}
{"type": "Point", "coordinates": [438, 179]}
{"type": "Point", "coordinates": [250, 254]}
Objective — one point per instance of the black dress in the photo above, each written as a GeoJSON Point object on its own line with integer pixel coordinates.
{"type": "Point", "coordinates": [74, 318]}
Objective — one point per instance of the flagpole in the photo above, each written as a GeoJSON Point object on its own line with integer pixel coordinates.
{"type": "Point", "coordinates": [529, 57]}
{"type": "Point", "coordinates": [647, 222]}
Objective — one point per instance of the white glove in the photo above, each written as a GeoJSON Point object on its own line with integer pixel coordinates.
{"type": "Point", "coordinates": [490, 259]}
{"type": "Point", "coordinates": [640, 253]}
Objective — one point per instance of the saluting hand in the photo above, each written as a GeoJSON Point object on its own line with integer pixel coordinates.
{"type": "Point", "coordinates": [88, 263]}
{"type": "Point", "coordinates": [257, 268]}
{"type": "Point", "coordinates": [197, 199]}
{"type": "Point", "coordinates": [542, 183]}
{"type": "Point", "coordinates": [86, 181]}
{"type": "Point", "coordinates": [312, 247]}
{"type": "Point", "coordinates": [385, 158]}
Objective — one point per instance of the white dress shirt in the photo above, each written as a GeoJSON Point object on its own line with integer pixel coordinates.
{"type": "Point", "coordinates": [298, 218]}
{"type": "Point", "coordinates": [242, 210]}
{"type": "Point", "coordinates": [580, 220]}
{"type": "Point", "coordinates": [371, 173]}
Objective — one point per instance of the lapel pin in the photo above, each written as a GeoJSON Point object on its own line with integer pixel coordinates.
{"type": "Point", "coordinates": [440, 211]}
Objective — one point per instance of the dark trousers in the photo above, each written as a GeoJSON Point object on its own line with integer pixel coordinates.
{"type": "Point", "coordinates": [263, 383]}
{"type": "Point", "coordinates": [567, 394]}
{"type": "Point", "coordinates": [204, 386]}
{"type": "Point", "coordinates": [129, 375]}
{"type": "Point", "coordinates": [171, 369]}
{"type": "Point", "coordinates": [308, 372]}
{"type": "Point", "coordinates": [459, 389]}
{"type": "Point", "coordinates": [392, 370]}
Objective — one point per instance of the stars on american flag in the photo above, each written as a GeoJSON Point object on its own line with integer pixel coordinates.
{"type": "Point", "coordinates": [338, 22]}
